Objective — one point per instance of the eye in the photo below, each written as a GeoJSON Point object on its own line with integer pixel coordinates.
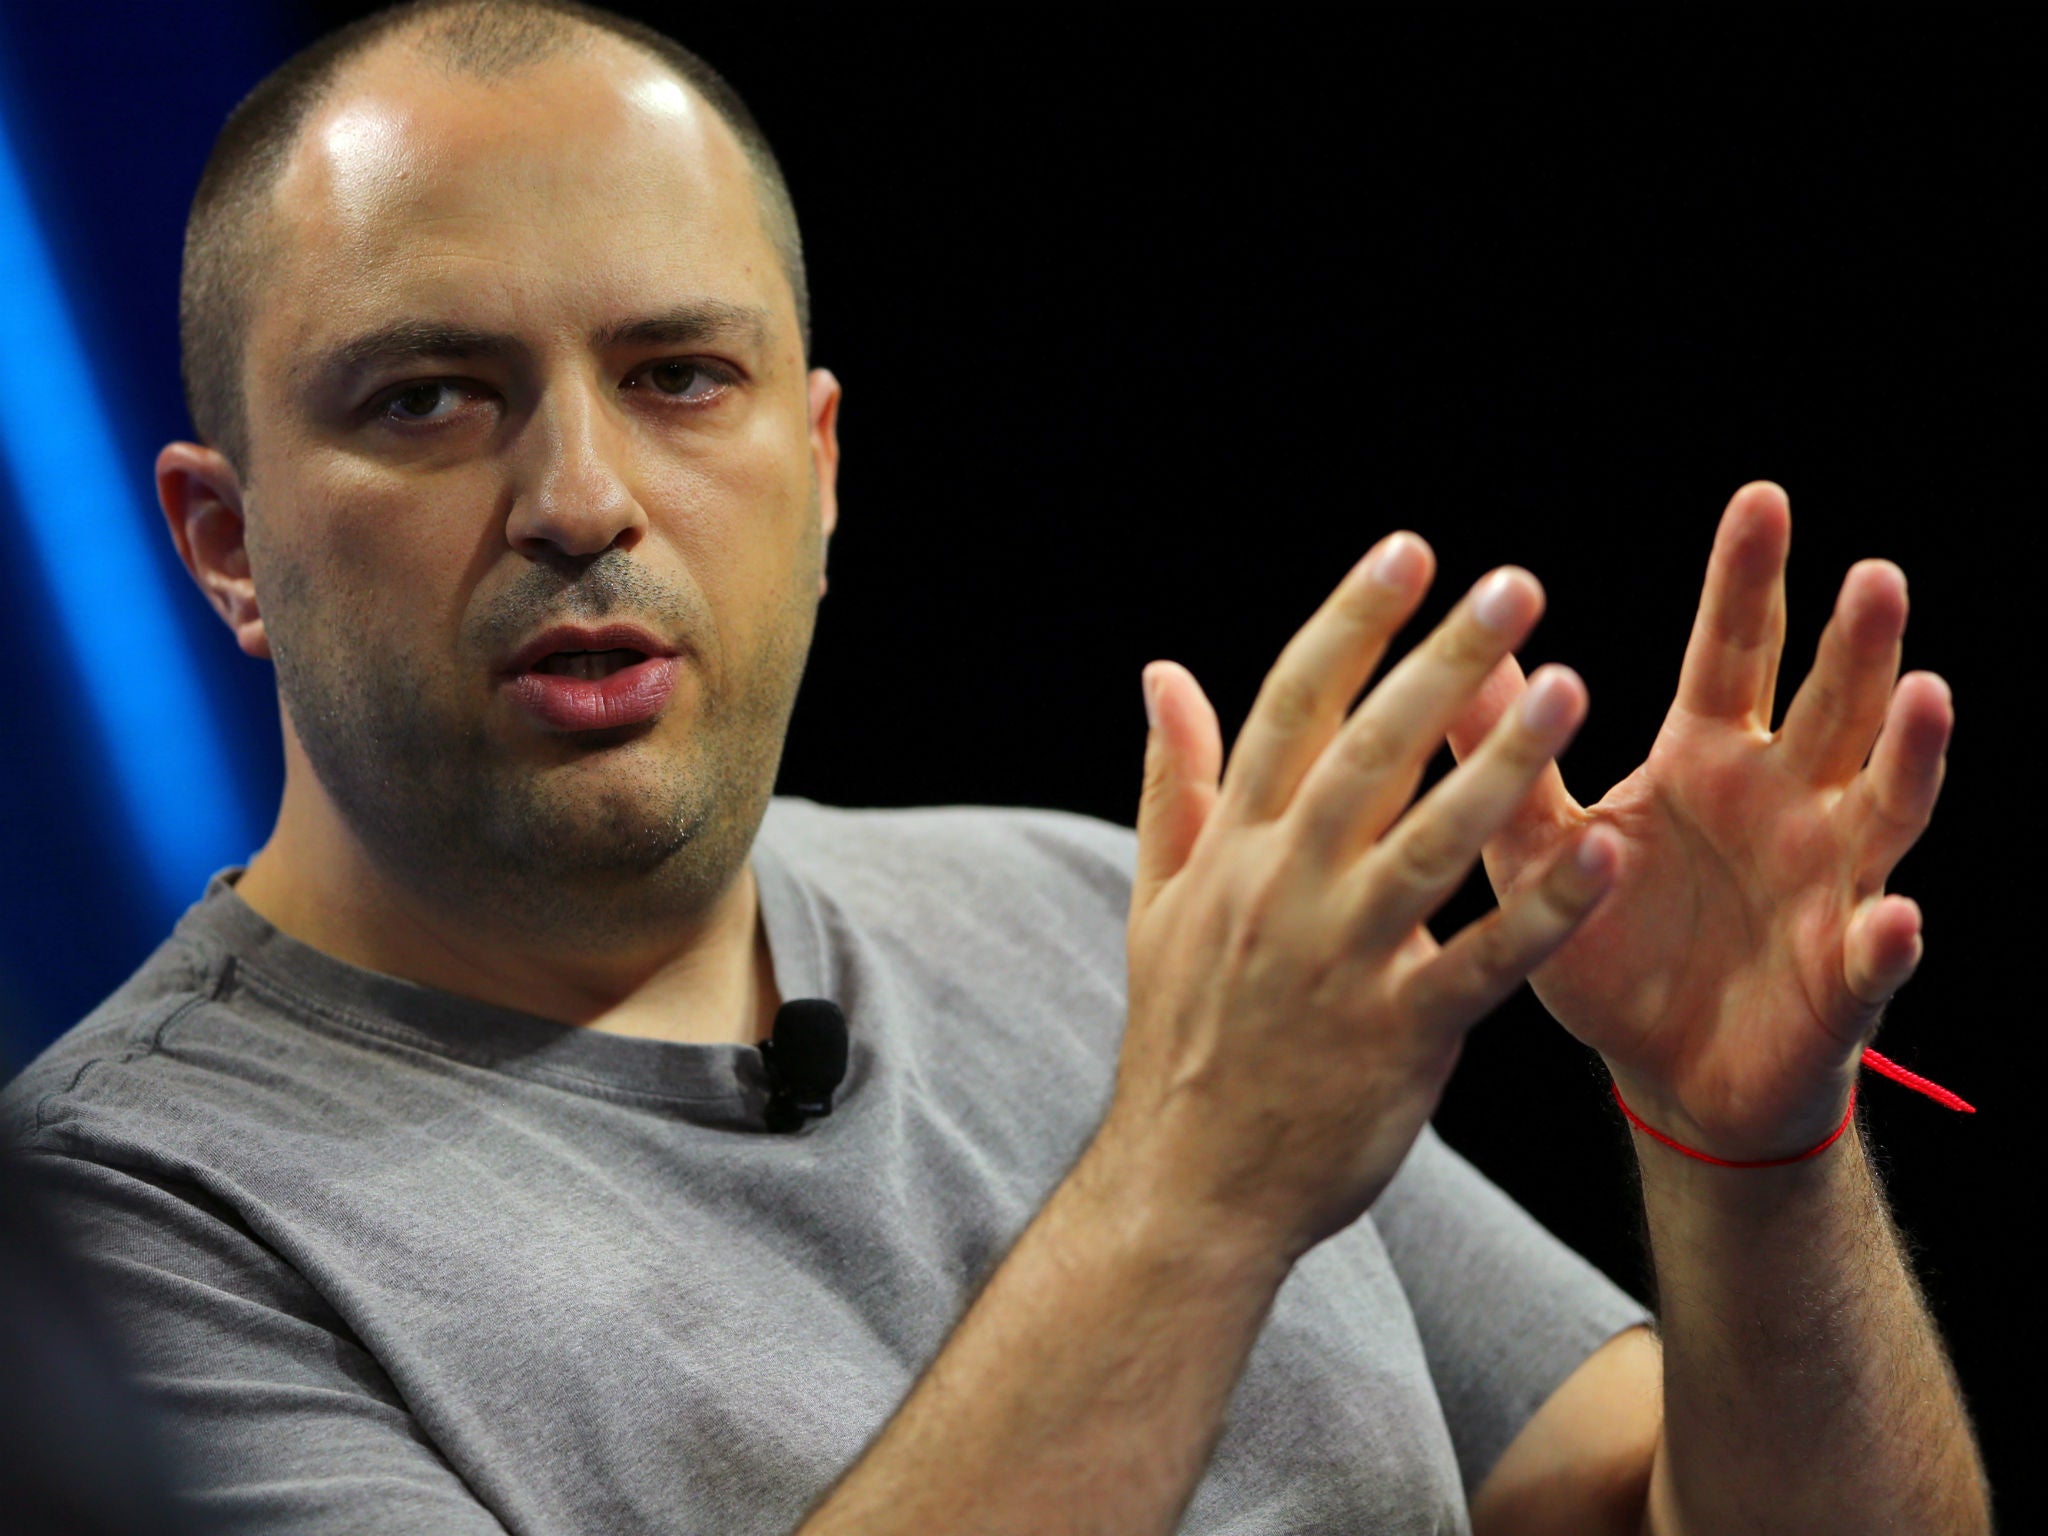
{"type": "Point", "coordinates": [420, 402]}
{"type": "Point", "coordinates": [679, 378]}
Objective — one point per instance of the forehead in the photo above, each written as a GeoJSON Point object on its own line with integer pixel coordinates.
{"type": "Point", "coordinates": [590, 182]}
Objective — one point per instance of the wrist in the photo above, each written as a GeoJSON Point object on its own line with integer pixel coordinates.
{"type": "Point", "coordinates": [1643, 1129]}
{"type": "Point", "coordinates": [1734, 1216]}
{"type": "Point", "coordinates": [1115, 1188]}
{"type": "Point", "coordinates": [1660, 1120]}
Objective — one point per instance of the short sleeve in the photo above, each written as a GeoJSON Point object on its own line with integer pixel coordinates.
{"type": "Point", "coordinates": [277, 1420]}
{"type": "Point", "coordinates": [1505, 1310]}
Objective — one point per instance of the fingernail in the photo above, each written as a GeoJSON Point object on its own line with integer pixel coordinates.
{"type": "Point", "coordinates": [1547, 704]}
{"type": "Point", "coordinates": [1151, 704]}
{"type": "Point", "coordinates": [1592, 856]}
{"type": "Point", "coordinates": [1496, 602]}
{"type": "Point", "coordinates": [1398, 563]}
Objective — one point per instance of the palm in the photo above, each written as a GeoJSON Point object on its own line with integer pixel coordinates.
{"type": "Point", "coordinates": [1675, 974]}
{"type": "Point", "coordinates": [1732, 973]}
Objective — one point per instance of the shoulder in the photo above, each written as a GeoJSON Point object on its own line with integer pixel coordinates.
{"type": "Point", "coordinates": [165, 1062]}
{"type": "Point", "coordinates": [126, 1028]}
{"type": "Point", "coordinates": [1004, 854]}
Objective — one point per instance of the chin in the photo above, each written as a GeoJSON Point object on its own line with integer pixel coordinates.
{"type": "Point", "coordinates": [595, 817]}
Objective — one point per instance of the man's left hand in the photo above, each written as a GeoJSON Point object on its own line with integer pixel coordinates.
{"type": "Point", "coordinates": [1739, 962]}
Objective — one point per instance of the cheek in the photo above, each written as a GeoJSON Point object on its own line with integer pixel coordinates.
{"type": "Point", "coordinates": [395, 557]}
{"type": "Point", "coordinates": [741, 520]}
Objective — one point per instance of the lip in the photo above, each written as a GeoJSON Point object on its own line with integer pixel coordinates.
{"type": "Point", "coordinates": [578, 637]}
{"type": "Point", "coordinates": [625, 697]}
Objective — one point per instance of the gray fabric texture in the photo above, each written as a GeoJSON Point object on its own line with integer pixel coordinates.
{"type": "Point", "coordinates": [393, 1260]}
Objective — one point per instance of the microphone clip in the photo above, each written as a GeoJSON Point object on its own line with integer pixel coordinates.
{"type": "Point", "coordinates": [805, 1058]}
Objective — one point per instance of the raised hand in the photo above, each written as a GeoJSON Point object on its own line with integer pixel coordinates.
{"type": "Point", "coordinates": [1739, 966]}
{"type": "Point", "coordinates": [1291, 1021]}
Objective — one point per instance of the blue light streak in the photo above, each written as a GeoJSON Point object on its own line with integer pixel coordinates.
{"type": "Point", "coordinates": [81, 518]}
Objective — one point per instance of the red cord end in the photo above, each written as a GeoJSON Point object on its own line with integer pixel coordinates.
{"type": "Point", "coordinates": [1913, 1080]}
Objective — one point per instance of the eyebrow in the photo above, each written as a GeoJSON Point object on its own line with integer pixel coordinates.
{"type": "Point", "coordinates": [688, 325]}
{"type": "Point", "coordinates": [692, 324]}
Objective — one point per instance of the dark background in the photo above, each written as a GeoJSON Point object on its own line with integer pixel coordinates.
{"type": "Point", "coordinates": [1150, 324]}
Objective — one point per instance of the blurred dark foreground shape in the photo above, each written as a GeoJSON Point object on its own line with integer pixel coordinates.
{"type": "Point", "coordinates": [77, 1455]}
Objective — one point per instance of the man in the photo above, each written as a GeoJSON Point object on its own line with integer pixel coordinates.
{"type": "Point", "coordinates": [426, 1162]}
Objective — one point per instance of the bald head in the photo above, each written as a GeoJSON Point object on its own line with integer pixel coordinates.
{"type": "Point", "coordinates": [232, 235]}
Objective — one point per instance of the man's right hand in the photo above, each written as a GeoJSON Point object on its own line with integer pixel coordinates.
{"type": "Point", "coordinates": [1292, 1022]}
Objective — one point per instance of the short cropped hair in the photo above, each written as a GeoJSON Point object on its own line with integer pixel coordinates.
{"type": "Point", "coordinates": [482, 39]}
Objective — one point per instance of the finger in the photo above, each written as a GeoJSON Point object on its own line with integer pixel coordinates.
{"type": "Point", "coordinates": [1892, 800]}
{"type": "Point", "coordinates": [1183, 755]}
{"type": "Point", "coordinates": [1472, 724]}
{"type": "Point", "coordinates": [1731, 661]}
{"type": "Point", "coordinates": [1304, 697]}
{"type": "Point", "coordinates": [1368, 772]}
{"type": "Point", "coordinates": [1836, 713]}
{"type": "Point", "coordinates": [1546, 814]}
{"type": "Point", "coordinates": [1489, 959]}
{"type": "Point", "coordinates": [1881, 950]}
{"type": "Point", "coordinates": [1412, 870]}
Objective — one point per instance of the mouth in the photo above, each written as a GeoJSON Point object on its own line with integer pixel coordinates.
{"type": "Point", "coordinates": [592, 679]}
{"type": "Point", "coordinates": [588, 665]}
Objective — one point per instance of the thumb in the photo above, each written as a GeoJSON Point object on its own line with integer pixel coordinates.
{"type": "Point", "coordinates": [1183, 762]}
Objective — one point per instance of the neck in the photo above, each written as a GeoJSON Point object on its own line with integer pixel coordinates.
{"type": "Point", "coordinates": [708, 980]}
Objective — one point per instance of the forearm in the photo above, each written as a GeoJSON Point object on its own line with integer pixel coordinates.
{"type": "Point", "coordinates": [1805, 1386]}
{"type": "Point", "coordinates": [1083, 1391]}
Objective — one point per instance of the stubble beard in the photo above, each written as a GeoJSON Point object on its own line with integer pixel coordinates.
{"type": "Point", "coordinates": [564, 852]}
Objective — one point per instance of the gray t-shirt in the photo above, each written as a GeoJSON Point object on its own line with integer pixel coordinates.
{"type": "Point", "coordinates": [396, 1261]}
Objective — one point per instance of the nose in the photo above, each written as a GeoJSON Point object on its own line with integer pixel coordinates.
{"type": "Point", "coordinates": [573, 497]}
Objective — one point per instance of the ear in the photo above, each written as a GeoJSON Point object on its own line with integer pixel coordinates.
{"type": "Point", "coordinates": [202, 500]}
{"type": "Point", "coordinates": [824, 411]}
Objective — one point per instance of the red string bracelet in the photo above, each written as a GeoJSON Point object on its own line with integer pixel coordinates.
{"type": "Point", "coordinates": [1883, 1065]}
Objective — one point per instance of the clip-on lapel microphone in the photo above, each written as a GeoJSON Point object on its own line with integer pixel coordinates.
{"type": "Point", "coordinates": [806, 1059]}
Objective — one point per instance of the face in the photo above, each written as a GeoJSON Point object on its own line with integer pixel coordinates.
{"type": "Point", "coordinates": [537, 488]}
